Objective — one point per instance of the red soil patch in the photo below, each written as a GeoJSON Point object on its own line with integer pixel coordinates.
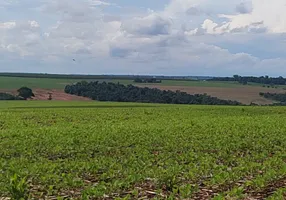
{"type": "Point", "coordinates": [60, 95]}
{"type": "Point", "coordinates": [244, 95]}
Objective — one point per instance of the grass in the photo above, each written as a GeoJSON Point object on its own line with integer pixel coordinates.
{"type": "Point", "coordinates": [42, 83]}
{"type": "Point", "coordinates": [223, 84]}
{"type": "Point", "coordinates": [12, 83]}
{"type": "Point", "coordinates": [267, 85]}
{"type": "Point", "coordinates": [102, 150]}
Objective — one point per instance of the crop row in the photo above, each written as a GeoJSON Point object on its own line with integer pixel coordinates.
{"type": "Point", "coordinates": [159, 152]}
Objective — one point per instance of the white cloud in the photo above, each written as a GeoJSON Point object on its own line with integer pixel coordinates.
{"type": "Point", "coordinates": [20, 37]}
{"type": "Point", "coordinates": [152, 24]}
{"type": "Point", "coordinates": [271, 14]}
{"type": "Point", "coordinates": [99, 3]}
{"type": "Point", "coordinates": [7, 25]}
{"type": "Point", "coordinates": [244, 7]}
{"type": "Point", "coordinates": [4, 3]}
{"type": "Point", "coordinates": [185, 36]}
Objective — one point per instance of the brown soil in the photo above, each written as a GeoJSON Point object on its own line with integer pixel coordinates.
{"type": "Point", "coordinates": [250, 194]}
{"type": "Point", "coordinates": [43, 94]}
{"type": "Point", "coordinates": [244, 95]}
{"type": "Point", "coordinates": [58, 95]}
{"type": "Point", "coordinates": [269, 190]}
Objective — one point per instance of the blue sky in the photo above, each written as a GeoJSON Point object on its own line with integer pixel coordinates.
{"type": "Point", "coordinates": [166, 37]}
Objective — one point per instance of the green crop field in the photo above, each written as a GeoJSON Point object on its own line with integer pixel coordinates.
{"type": "Point", "coordinates": [79, 150]}
{"type": "Point", "coordinates": [42, 83]}
{"type": "Point", "coordinates": [223, 84]}
{"type": "Point", "coordinates": [13, 83]}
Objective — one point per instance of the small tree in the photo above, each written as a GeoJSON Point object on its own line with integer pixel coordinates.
{"type": "Point", "coordinates": [25, 92]}
{"type": "Point", "coordinates": [244, 82]}
{"type": "Point", "coordinates": [50, 96]}
{"type": "Point", "coordinates": [138, 80]}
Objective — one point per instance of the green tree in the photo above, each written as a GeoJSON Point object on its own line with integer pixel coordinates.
{"type": "Point", "coordinates": [236, 77]}
{"type": "Point", "coordinates": [25, 92]}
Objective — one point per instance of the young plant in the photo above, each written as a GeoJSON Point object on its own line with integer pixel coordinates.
{"type": "Point", "coordinates": [18, 188]}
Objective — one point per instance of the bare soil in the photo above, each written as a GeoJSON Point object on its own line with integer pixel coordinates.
{"type": "Point", "coordinates": [244, 95]}
{"type": "Point", "coordinates": [58, 95]}
{"type": "Point", "coordinates": [43, 94]}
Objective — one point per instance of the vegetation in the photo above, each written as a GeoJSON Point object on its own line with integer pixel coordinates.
{"type": "Point", "coordinates": [60, 83]}
{"type": "Point", "coordinates": [85, 77]}
{"type": "Point", "coordinates": [95, 150]}
{"type": "Point", "coordinates": [121, 93]}
{"type": "Point", "coordinates": [18, 188]}
{"type": "Point", "coordinates": [25, 92]}
{"type": "Point", "coordinates": [6, 96]}
{"type": "Point", "coordinates": [247, 79]}
{"type": "Point", "coordinates": [274, 96]}
{"type": "Point", "coordinates": [65, 76]}
{"type": "Point", "coordinates": [13, 83]}
{"type": "Point", "coordinates": [147, 80]}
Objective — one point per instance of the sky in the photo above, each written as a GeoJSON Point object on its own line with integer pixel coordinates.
{"type": "Point", "coordinates": [150, 37]}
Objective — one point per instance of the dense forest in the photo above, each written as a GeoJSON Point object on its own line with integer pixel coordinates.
{"type": "Point", "coordinates": [247, 79]}
{"type": "Point", "coordinates": [121, 93]}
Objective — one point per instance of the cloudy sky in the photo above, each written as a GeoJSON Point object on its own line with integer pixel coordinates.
{"type": "Point", "coordinates": [160, 37]}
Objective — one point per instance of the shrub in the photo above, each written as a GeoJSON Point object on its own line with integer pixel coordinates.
{"type": "Point", "coordinates": [25, 92]}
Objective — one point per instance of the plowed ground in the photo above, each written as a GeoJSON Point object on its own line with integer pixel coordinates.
{"type": "Point", "coordinates": [57, 94]}
{"type": "Point", "coordinates": [244, 95]}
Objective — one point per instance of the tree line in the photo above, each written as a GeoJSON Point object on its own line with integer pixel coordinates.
{"type": "Point", "coordinates": [274, 96]}
{"type": "Point", "coordinates": [147, 80]}
{"type": "Point", "coordinates": [6, 96]}
{"type": "Point", "coordinates": [99, 77]}
{"type": "Point", "coordinates": [246, 79]}
{"type": "Point", "coordinates": [66, 76]}
{"type": "Point", "coordinates": [23, 94]}
{"type": "Point", "coordinates": [102, 91]}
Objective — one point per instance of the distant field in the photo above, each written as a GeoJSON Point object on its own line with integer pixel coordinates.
{"type": "Point", "coordinates": [7, 105]}
{"type": "Point", "coordinates": [244, 95]}
{"type": "Point", "coordinates": [91, 150]}
{"type": "Point", "coordinates": [199, 84]}
{"type": "Point", "coordinates": [224, 90]}
{"type": "Point", "coordinates": [48, 83]}
{"type": "Point", "coordinates": [41, 83]}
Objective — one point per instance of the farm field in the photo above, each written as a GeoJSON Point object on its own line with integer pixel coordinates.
{"type": "Point", "coordinates": [224, 90]}
{"type": "Point", "coordinates": [245, 95]}
{"type": "Point", "coordinates": [95, 150]}
{"type": "Point", "coordinates": [49, 83]}
{"type": "Point", "coordinates": [12, 83]}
